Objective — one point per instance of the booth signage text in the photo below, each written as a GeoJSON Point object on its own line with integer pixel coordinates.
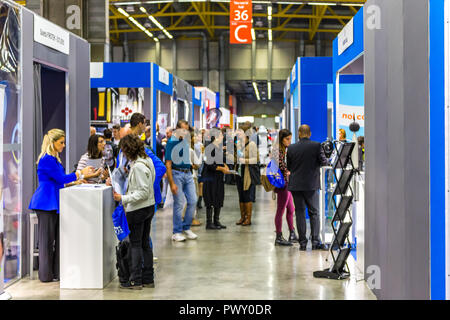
{"type": "Point", "coordinates": [51, 35]}
{"type": "Point", "coordinates": [241, 21]}
{"type": "Point", "coordinates": [163, 76]}
{"type": "Point", "coordinates": [345, 37]}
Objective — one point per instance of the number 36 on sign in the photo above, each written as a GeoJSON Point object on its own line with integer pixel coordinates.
{"type": "Point", "coordinates": [240, 21]}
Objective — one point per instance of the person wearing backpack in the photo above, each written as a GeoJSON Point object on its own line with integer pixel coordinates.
{"type": "Point", "coordinates": [284, 196]}
{"type": "Point", "coordinates": [139, 205]}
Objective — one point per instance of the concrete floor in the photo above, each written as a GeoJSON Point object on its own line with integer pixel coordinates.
{"type": "Point", "coordinates": [235, 263]}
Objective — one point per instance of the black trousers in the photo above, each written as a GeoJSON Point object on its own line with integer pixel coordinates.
{"type": "Point", "coordinates": [309, 199]}
{"type": "Point", "coordinates": [48, 237]}
{"type": "Point", "coordinates": [141, 253]}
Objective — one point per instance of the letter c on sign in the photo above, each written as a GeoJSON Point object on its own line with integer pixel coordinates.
{"type": "Point", "coordinates": [236, 33]}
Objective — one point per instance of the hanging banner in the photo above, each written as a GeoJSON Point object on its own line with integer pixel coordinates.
{"type": "Point", "coordinates": [241, 21]}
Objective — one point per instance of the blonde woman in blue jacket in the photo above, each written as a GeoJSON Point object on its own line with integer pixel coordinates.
{"type": "Point", "coordinates": [139, 205]}
{"type": "Point", "coordinates": [45, 201]}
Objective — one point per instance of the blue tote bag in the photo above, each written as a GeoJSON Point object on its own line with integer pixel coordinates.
{"type": "Point", "coordinates": [120, 223]}
{"type": "Point", "coordinates": [274, 175]}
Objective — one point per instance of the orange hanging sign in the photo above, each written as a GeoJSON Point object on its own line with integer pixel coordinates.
{"type": "Point", "coordinates": [241, 21]}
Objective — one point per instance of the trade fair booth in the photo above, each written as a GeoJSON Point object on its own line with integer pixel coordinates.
{"type": "Point", "coordinates": [43, 85]}
{"type": "Point", "coordinates": [348, 79]}
{"type": "Point", "coordinates": [348, 107]}
{"type": "Point", "coordinates": [117, 91]}
{"type": "Point", "coordinates": [306, 96]}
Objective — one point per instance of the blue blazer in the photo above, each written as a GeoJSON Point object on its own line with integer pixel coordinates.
{"type": "Point", "coordinates": [52, 178]}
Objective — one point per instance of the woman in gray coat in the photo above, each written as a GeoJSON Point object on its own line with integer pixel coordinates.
{"type": "Point", "coordinates": [139, 204]}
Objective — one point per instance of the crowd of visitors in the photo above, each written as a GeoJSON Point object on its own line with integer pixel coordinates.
{"type": "Point", "coordinates": [194, 165]}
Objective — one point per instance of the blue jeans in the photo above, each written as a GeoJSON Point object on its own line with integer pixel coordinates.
{"type": "Point", "coordinates": [186, 190]}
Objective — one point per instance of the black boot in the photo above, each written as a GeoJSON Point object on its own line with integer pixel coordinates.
{"type": "Point", "coordinates": [280, 241]}
{"type": "Point", "coordinates": [209, 223]}
{"type": "Point", "coordinates": [199, 202]}
{"type": "Point", "coordinates": [216, 219]}
{"type": "Point", "coordinates": [293, 237]}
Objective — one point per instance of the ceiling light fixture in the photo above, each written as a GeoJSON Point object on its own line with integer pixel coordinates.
{"type": "Point", "coordinates": [269, 89]}
{"type": "Point", "coordinates": [256, 90]}
{"type": "Point", "coordinates": [137, 24]}
{"type": "Point", "coordinates": [155, 22]}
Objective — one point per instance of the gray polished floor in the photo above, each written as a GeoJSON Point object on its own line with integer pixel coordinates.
{"type": "Point", "coordinates": [236, 263]}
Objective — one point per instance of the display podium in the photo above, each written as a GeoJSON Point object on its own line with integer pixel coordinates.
{"type": "Point", "coordinates": [87, 254]}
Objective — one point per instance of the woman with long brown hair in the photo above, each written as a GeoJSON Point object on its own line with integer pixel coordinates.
{"type": "Point", "coordinates": [284, 197]}
{"type": "Point", "coordinates": [139, 205]}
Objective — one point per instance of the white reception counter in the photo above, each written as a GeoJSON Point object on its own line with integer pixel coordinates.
{"type": "Point", "coordinates": [87, 237]}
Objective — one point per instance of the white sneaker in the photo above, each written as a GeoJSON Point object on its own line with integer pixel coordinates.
{"type": "Point", "coordinates": [178, 237]}
{"type": "Point", "coordinates": [190, 235]}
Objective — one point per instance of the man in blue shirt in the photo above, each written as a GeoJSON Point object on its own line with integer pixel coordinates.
{"type": "Point", "coordinates": [179, 174]}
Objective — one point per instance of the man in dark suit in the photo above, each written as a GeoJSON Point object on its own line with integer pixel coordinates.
{"type": "Point", "coordinates": [304, 160]}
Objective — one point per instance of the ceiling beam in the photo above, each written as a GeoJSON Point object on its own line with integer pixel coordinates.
{"type": "Point", "coordinates": [315, 23]}
{"type": "Point", "coordinates": [201, 16]}
{"type": "Point", "coordinates": [334, 14]}
{"type": "Point", "coordinates": [220, 13]}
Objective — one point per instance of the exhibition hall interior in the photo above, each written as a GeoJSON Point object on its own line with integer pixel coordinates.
{"type": "Point", "coordinates": [224, 150]}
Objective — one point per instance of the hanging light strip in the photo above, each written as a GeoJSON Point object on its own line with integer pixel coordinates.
{"type": "Point", "coordinates": [137, 24]}
{"type": "Point", "coordinates": [153, 19]}
{"type": "Point", "coordinates": [256, 90]}
{"type": "Point", "coordinates": [269, 89]}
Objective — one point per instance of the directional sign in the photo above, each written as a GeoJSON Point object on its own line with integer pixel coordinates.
{"type": "Point", "coordinates": [241, 21]}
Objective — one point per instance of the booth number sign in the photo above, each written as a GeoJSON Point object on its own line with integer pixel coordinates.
{"type": "Point", "coordinates": [241, 21]}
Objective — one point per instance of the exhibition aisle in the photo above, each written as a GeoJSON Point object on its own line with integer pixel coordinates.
{"type": "Point", "coordinates": [235, 263]}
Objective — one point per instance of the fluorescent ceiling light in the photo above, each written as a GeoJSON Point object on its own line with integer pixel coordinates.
{"type": "Point", "coordinates": [269, 89]}
{"type": "Point", "coordinates": [153, 19]}
{"type": "Point", "coordinates": [352, 4]}
{"type": "Point", "coordinates": [253, 34]}
{"type": "Point", "coordinates": [270, 34]}
{"type": "Point", "coordinates": [123, 12]}
{"type": "Point", "coordinates": [137, 24]}
{"type": "Point", "coordinates": [321, 4]}
{"type": "Point", "coordinates": [256, 91]}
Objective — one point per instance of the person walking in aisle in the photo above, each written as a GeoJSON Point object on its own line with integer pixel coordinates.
{"type": "Point", "coordinates": [179, 174]}
{"type": "Point", "coordinates": [45, 200]}
{"type": "Point", "coordinates": [284, 197]}
{"type": "Point", "coordinates": [249, 177]}
{"type": "Point", "coordinates": [213, 179]}
{"type": "Point", "coordinates": [304, 160]}
{"type": "Point", "coordinates": [139, 205]}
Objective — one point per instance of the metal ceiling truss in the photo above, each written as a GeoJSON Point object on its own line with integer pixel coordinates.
{"type": "Point", "coordinates": [296, 17]}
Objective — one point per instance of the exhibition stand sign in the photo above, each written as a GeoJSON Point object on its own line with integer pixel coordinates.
{"type": "Point", "coordinates": [241, 21]}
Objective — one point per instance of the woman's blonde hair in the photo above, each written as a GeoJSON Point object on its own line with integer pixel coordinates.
{"type": "Point", "coordinates": [47, 144]}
